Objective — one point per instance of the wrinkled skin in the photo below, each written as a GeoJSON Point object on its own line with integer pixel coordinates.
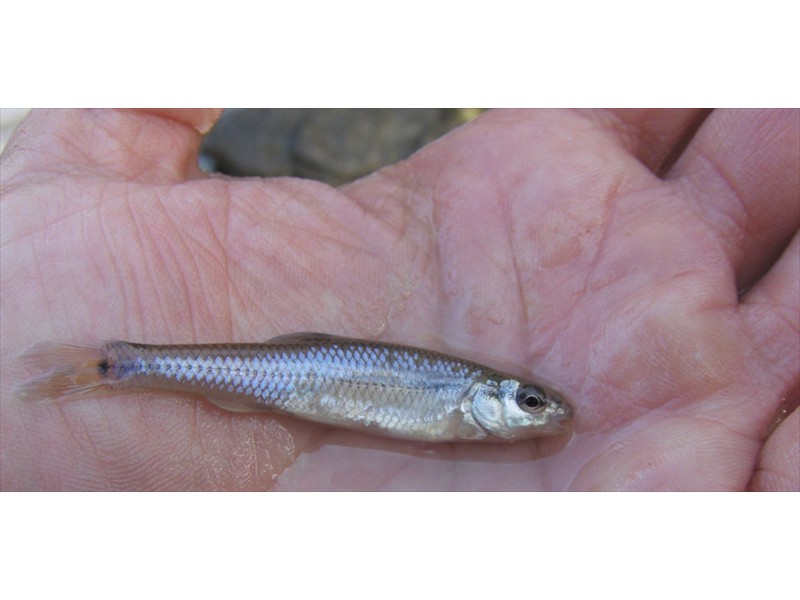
{"type": "Point", "coordinates": [657, 287]}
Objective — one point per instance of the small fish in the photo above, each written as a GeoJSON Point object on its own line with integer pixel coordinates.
{"type": "Point", "coordinates": [384, 389]}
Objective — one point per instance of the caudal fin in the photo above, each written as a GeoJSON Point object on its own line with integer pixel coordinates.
{"type": "Point", "coordinates": [70, 370]}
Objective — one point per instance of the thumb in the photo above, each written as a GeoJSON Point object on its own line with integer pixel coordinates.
{"type": "Point", "coordinates": [147, 146]}
{"type": "Point", "coordinates": [200, 119]}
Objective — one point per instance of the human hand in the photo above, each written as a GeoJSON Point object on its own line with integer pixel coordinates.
{"type": "Point", "coordinates": [534, 238]}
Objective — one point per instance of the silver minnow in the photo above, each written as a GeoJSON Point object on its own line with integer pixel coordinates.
{"type": "Point", "coordinates": [380, 388]}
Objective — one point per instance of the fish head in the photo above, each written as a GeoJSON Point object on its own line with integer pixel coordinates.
{"type": "Point", "coordinates": [512, 409]}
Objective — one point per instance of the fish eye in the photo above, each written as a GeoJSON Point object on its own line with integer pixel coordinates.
{"type": "Point", "coordinates": [531, 398]}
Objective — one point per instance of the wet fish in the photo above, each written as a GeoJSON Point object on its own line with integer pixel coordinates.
{"type": "Point", "coordinates": [384, 389]}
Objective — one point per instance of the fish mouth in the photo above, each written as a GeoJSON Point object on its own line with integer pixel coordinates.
{"type": "Point", "coordinates": [562, 409]}
{"type": "Point", "coordinates": [558, 427]}
{"type": "Point", "coordinates": [564, 414]}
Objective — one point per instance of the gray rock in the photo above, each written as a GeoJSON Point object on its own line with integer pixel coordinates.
{"type": "Point", "coordinates": [331, 145]}
{"type": "Point", "coordinates": [253, 141]}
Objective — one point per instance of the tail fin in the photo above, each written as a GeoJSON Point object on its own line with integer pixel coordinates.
{"type": "Point", "coordinates": [72, 370]}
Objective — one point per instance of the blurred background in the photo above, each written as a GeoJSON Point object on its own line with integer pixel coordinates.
{"type": "Point", "coordinates": [331, 145]}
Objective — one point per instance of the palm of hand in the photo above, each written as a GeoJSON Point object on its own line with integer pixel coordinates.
{"type": "Point", "coordinates": [533, 239]}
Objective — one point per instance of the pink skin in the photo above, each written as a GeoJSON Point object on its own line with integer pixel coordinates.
{"type": "Point", "coordinates": [534, 238]}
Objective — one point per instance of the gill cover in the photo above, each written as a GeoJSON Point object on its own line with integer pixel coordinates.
{"type": "Point", "coordinates": [489, 410]}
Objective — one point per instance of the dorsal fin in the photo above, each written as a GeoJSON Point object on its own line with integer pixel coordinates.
{"type": "Point", "coordinates": [304, 336]}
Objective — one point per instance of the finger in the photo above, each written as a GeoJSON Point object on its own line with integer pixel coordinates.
{"type": "Point", "coordinates": [740, 172]}
{"type": "Point", "coordinates": [778, 467]}
{"type": "Point", "coordinates": [654, 136]}
{"type": "Point", "coordinates": [145, 146]}
{"type": "Point", "coordinates": [772, 311]}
